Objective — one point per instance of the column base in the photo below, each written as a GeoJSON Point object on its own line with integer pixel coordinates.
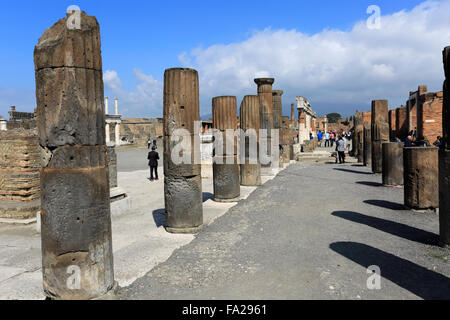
{"type": "Point", "coordinates": [237, 199]}
{"type": "Point", "coordinates": [190, 230]}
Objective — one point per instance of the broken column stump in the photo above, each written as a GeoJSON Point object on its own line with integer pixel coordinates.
{"type": "Point", "coordinates": [182, 184]}
{"type": "Point", "coordinates": [77, 259]}
{"type": "Point", "coordinates": [226, 173]}
{"type": "Point", "coordinates": [250, 124]}
{"type": "Point", "coordinates": [380, 133]}
{"type": "Point", "coordinates": [266, 117]}
{"type": "Point", "coordinates": [444, 158]}
{"type": "Point", "coordinates": [393, 163]}
{"type": "Point", "coordinates": [367, 145]}
{"type": "Point", "coordinates": [420, 169]}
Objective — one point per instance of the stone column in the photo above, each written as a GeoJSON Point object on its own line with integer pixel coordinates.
{"type": "Point", "coordinates": [380, 133]}
{"type": "Point", "coordinates": [420, 175]}
{"type": "Point", "coordinates": [117, 133]}
{"type": "Point", "coordinates": [112, 166]}
{"type": "Point", "coordinates": [250, 124]}
{"type": "Point", "coordinates": [392, 163]}
{"type": "Point", "coordinates": [77, 259]}
{"type": "Point", "coordinates": [357, 136]}
{"type": "Point", "coordinates": [292, 111]}
{"type": "Point", "coordinates": [182, 184]}
{"type": "Point", "coordinates": [285, 141]}
{"type": "Point", "coordinates": [444, 158]}
{"type": "Point", "coordinates": [277, 108]}
{"type": "Point", "coordinates": [367, 145]}
{"type": "Point", "coordinates": [116, 103]}
{"type": "Point", "coordinates": [266, 118]}
{"type": "Point", "coordinates": [226, 180]}
{"type": "Point", "coordinates": [107, 134]}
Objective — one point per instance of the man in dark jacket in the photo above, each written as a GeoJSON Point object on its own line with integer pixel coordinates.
{"type": "Point", "coordinates": [153, 158]}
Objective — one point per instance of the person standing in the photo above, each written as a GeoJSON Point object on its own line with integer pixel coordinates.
{"type": "Point", "coordinates": [153, 158]}
{"type": "Point", "coordinates": [341, 146]}
{"type": "Point", "coordinates": [332, 136]}
{"type": "Point", "coordinates": [327, 139]}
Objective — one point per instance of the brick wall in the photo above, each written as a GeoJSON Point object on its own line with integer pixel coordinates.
{"type": "Point", "coordinates": [429, 116]}
{"type": "Point", "coordinates": [19, 174]}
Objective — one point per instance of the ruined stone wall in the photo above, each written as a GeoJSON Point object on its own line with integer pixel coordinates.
{"type": "Point", "coordinates": [429, 116]}
{"type": "Point", "coordinates": [19, 174]}
{"type": "Point", "coordinates": [140, 130]}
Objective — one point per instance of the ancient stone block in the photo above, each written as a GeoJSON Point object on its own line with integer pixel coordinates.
{"type": "Point", "coordinates": [380, 132]}
{"type": "Point", "coordinates": [357, 136]}
{"type": "Point", "coordinates": [392, 163]}
{"type": "Point", "coordinates": [401, 121]}
{"type": "Point", "coordinates": [420, 167]}
{"type": "Point", "coordinates": [224, 113]}
{"type": "Point", "coordinates": [75, 214]}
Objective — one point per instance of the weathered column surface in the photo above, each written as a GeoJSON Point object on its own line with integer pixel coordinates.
{"type": "Point", "coordinates": [182, 184]}
{"type": "Point", "coordinates": [380, 133]}
{"type": "Point", "coordinates": [358, 136]}
{"type": "Point", "coordinates": [226, 175]}
{"type": "Point", "coordinates": [392, 163]}
{"type": "Point", "coordinates": [250, 124]}
{"type": "Point", "coordinates": [266, 118]}
{"type": "Point", "coordinates": [444, 158]}
{"type": "Point", "coordinates": [292, 111]}
{"type": "Point", "coordinates": [367, 145]}
{"type": "Point", "coordinates": [277, 108]}
{"type": "Point", "coordinates": [420, 169]}
{"type": "Point", "coordinates": [77, 260]}
{"type": "Point", "coordinates": [285, 141]}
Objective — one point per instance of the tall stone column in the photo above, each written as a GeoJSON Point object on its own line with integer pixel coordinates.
{"type": "Point", "coordinates": [117, 133]}
{"type": "Point", "coordinates": [380, 133]}
{"type": "Point", "coordinates": [444, 158]}
{"type": "Point", "coordinates": [182, 184]}
{"type": "Point", "coordinates": [250, 124]}
{"type": "Point", "coordinates": [357, 136]}
{"type": "Point", "coordinates": [107, 133]}
{"type": "Point", "coordinates": [116, 104]}
{"type": "Point", "coordinates": [266, 118]}
{"type": "Point", "coordinates": [367, 145]}
{"type": "Point", "coordinates": [77, 259]}
{"type": "Point", "coordinates": [277, 108]}
{"type": "Point", "coordinates": [392, 163]}
{"type": "Point", "coordinates": [292, 111]}
{"type": "Point", "coordinates": [226, 175]}
{"type": "Point", "coordinates": [420, 174]}
{"type": "Point", "coordinates": [285, 141]}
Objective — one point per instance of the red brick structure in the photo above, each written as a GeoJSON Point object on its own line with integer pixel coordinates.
{"type": "Point", "coordinates": [411, 106]}
{"type": "Point", "coordinates": [19, 174]}
{"type": "Point", "coordinates": [429, 116]}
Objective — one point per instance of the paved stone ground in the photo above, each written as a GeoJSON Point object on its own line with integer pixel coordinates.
{"type": "Point", "coordinates": [310, 233]}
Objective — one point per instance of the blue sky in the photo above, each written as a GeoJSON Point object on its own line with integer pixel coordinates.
{"type": "Point", "coordinates": [140, 39]}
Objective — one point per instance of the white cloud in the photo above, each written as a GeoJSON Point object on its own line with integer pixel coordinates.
{"type": "Point", "coordinates": [145, 101]}
{"type": "Point", "coordinates": [334, 69]}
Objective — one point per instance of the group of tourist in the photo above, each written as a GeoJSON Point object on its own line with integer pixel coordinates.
{"type": "Point", "coordinates": [412, 140]}
{"type": "Point", "coordinates": [330, 137]}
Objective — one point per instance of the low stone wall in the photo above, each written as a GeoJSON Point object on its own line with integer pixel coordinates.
{"type": "Point", "coordinates": [19, 174]}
